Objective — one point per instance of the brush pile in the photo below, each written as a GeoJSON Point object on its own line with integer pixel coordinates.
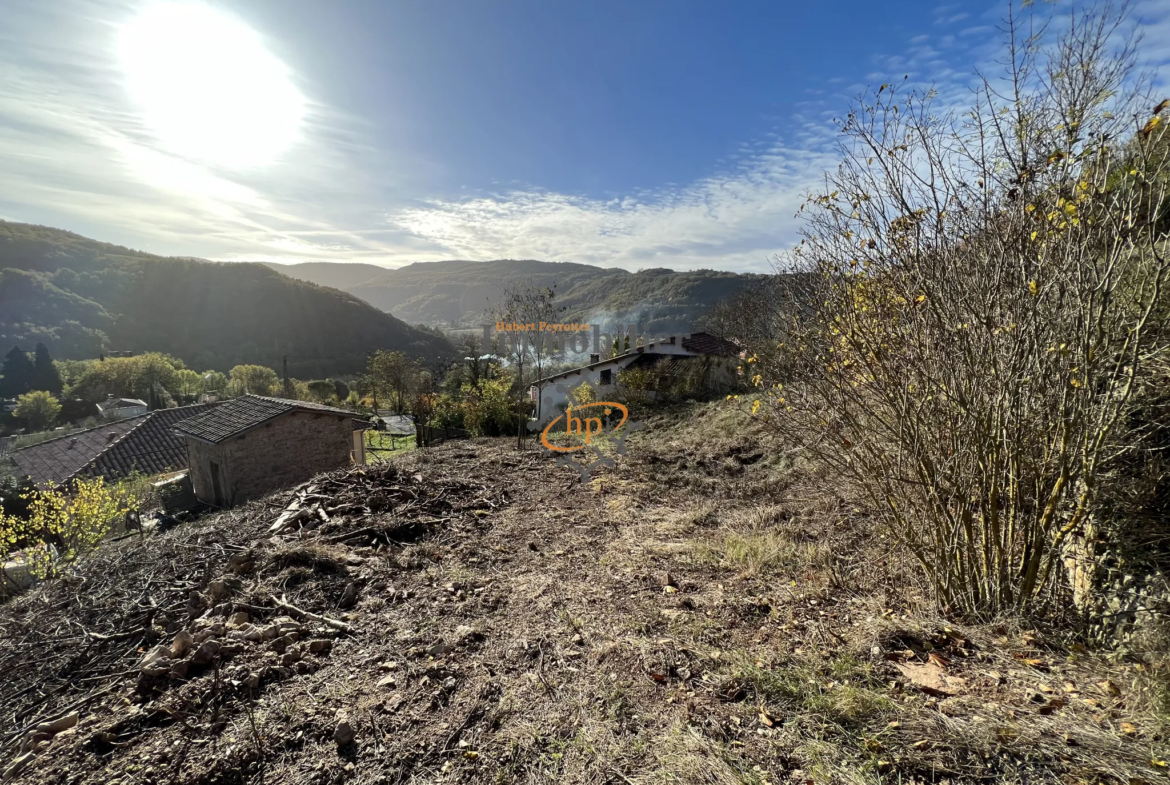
{"type": "Point", "coordinates": [176, 628]}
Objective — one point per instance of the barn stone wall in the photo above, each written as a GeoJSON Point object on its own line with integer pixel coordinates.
{"type": "Point", "coordinates": [279, 454]}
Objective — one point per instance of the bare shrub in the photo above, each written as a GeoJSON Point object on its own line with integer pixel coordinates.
{"type": "Point", "coordinates": [984, 285]}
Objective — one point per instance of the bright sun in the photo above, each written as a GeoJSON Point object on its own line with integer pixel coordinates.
{"type": "Point", "coordinates": [207, 87]}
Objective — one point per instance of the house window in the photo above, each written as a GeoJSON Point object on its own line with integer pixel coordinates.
{"type": "Point", "coordinates": [607, 376]}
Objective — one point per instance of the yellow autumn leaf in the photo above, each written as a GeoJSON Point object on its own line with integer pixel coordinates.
{"type": "Point", "coordinates": [1033, 287]}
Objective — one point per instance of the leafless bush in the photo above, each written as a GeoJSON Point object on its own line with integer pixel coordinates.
{"type": "Point", "coordinates": [984, 290]}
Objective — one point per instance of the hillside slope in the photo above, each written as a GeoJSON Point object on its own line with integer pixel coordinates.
{"type": "Point", "coordinates": [81, 296]}
{"type": "Point", "coordinates": [491, 621]}
{"type": "Point", "coordinates": [458, 292]}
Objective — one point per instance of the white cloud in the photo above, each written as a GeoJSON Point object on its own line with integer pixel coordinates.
{"type": "Point", "coordinates": [73, 151]}
{"type": "Point", "coordinates": [735, 220]}
{"type": "Point", "coordinates": [738, 220]}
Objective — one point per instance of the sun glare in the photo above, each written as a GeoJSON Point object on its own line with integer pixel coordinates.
{"type": "Point", "coordinates": [207, 87]}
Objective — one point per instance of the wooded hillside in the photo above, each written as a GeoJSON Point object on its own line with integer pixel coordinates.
{"type": "Point", "coordinates": [80, 297]}
{"type": "Point", "coordinates": [458, 292]}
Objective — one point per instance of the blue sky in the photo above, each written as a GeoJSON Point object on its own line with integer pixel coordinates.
{"type": "Point", "coordinates": [637, 134]}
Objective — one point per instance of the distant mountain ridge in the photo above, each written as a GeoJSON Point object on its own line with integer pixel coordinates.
{"type": "Point", "coordinates": [81, 296]}
{"type": "Point", "coordinates": [336, 275]}
{"type": "Point", "coordinates": [457, 293]}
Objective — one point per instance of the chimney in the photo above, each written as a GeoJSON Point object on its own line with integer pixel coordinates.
{"type": "Point", "coordinates": [594, 358]}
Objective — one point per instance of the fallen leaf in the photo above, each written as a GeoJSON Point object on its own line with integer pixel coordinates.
{"type": "Point", "coordinates": [1128, 728]}
{"type": "Point", "coordinates": [1030, 661]}
{"type": "Point", "coordinates": [939, 660]}
{"type": "Point", "coordinates": [765, 719]}
{"type": "Point", "coordinates": [1109, 687]}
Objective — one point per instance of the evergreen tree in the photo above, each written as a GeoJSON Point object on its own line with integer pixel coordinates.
{"type": "Point", "coordinates": [45, 374]}
{"type": "Point", "coordinates": [18, 374]}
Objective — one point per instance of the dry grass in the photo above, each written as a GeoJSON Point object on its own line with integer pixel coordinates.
{"type": "Point", "coordinates": [629, 631]}
{"type": "Point", "coordinates": [758, 541]}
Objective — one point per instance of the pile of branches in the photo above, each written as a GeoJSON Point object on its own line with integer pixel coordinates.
{"type": "Point", "coordinates": [71, 642]}
{"type": "Point", "coordinates": [375, 494]}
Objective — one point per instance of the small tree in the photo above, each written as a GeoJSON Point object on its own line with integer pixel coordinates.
{"type": "Point", "coordinates": [394, 376]}
{"type": "Point", "coordinates": [39, 410]}
{"type": "Point", "coordinates": [254, 380]}
{"type": "Point", "coordinates": [188, 384]}
{"type": "Point", "coordinates": [18, 373]}
{"type": "Point", "coordinates": [72, 523]}
{"type": "Point", "coordinates": [322, 390]}
{"type": "Point", "coordinates": [984, 286]}
{"type": "Point", "coordinates": [583, 394]}
{"type": "Point", "coordinates": [45, 374]}
{"type": "Point", "coordinates": [533, 306]}
{"type": "Point", "coordinates": [214, 381]}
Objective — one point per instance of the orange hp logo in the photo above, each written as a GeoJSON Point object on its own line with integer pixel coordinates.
{"type": "Point", "coordinates": [587, 427]}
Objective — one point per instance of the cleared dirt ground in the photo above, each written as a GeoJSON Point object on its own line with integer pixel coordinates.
{"type": "Point", "coordinates": [707, 611]}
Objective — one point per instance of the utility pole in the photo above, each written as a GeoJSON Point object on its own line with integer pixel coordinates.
{"type": "Point", "coordinates": [287, 383]}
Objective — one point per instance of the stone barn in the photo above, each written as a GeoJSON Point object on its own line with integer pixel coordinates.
{"type": "Point", "coordinates": [250, 446]}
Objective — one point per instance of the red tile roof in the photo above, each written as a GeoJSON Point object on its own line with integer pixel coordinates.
{"type": "Point", "coordinates": [239, 415]}
{"type": "Point", "coordinates": [144, 443]}
{"type": "Point", "coordinates": [151, 448]}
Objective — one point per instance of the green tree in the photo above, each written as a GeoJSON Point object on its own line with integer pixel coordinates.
{"type": "Point", "coordinates": [187, 383]}
{"type": "Point", "coordinates": [45, 375]}
{"type": "Point", "coordinates": [18, 373]}
{"type": "Point", "coordinates": [214, 381]}
{"type": "Point", "coordinates": [322, 390]}
{"type": "Point", "coordinates": [75, 524]}
{"type": "Point", "coordinates": [254, 380]}
{"type": "Point", "coordinates": [526, 304]}
{"type": "Point", "coordinates": [128, 377]}
{"type": "Point", "coordinates": [39, 409]}
{"type": "Point", "coordinates": [393, 376]}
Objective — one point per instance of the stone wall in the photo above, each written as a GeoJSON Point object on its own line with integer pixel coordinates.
{"type": "Point", "coordinates": [282, 453]}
